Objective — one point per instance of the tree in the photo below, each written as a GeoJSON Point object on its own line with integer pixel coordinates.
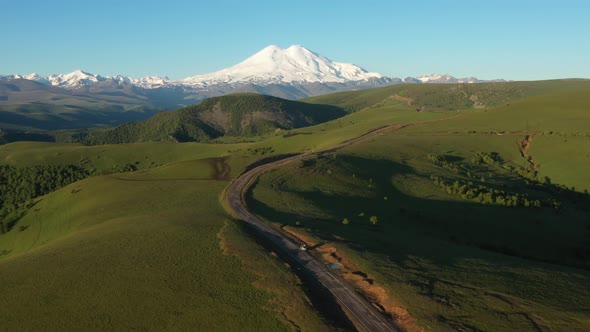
{"type": "Point", "coordinates": [374, 220]}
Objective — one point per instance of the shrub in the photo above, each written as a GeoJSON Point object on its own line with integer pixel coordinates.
{"type": "Point", "coordinates": [374, 220]}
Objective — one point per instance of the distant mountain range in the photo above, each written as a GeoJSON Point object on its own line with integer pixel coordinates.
{"type": "Point", "coordinates": [291, 73]}
{"type": "Point", "coordinates": [272, 65]}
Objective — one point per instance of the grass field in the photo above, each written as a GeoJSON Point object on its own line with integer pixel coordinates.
{"type": "Point", "coordinates": [455, 263]}
{"type": "Point", "coordinates": [154, 250]}
{"type": "Point", "coordinates": [141, 251]}
{"type": "Point", "coordinates": [451, 263]}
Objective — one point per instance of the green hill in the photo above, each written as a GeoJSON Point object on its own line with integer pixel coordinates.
{"type": "Point", "coordinates": [231, 115]}
{"type": "Point", "coordinates": [481, 217]}
{"type": "Point", "coordinates": [447, 97]}
{"type": "Point", "coordinates": [472, 231]}
{"type": "Point", "coordinates": [142, 251]}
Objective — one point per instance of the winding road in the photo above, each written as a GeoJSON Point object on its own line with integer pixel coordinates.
{"type": "Point", "coordinates": [365, 315]}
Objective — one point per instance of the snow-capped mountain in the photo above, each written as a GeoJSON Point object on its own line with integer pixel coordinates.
{"type": "Point", "coordinates": [294, 72]}
{"type": "Point", "coordinates": [446, 78]}
{"type": "Point", "coordinates": [277, 65]}
{"type": "Point", "coordinates": [74, 79]}
{"type": "Point", "coordinates": [291, 73]}
{"type": "Point", "coordinates": [272, 65]}
{"type": "Point", "coordinates": [79, 78]}
{"type": "Point", "coordinates": [30, 77]}
{"type": "Point", "coordinates": [37, 78]}
{"type": "Point", "coordinates": [151, 82]}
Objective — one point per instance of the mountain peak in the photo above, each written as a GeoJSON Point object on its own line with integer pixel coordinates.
{"type": "Point", "coordinates": [274, 64]}
{"type": "Point", "coordinates": [291, 66]}
{"type": "Point", "coordinates": [75, 79]}
{"type": "Point", "coordinates": [446, 78]}
{"type": "Point", "coordinates": [277, 48]}
{"type": "Point", "coordinates": [276, 53]}
{"type": "Point", "coordinates": [271, 48]}
{"type": "Point", "coordinates": [78, 73]}
{"type": "Point", "coordinates": [300, 49]}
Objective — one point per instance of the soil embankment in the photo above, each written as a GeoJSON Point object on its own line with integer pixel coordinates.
{"type": "Point", "coordinates": [360, 280]}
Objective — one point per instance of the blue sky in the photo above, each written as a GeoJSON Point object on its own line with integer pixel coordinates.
{"type": "Point", "coordinates": [519, 40]}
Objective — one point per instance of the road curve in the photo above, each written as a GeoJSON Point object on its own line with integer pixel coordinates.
{"type": "Point", "coordinates": [365, 315]}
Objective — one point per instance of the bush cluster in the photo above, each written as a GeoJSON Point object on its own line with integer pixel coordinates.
{"type": "Point", "coordinates": [486, 195]}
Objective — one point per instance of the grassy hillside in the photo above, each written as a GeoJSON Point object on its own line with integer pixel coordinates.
{"type": "Point", "coordinates": [448, 97]}
{"type": "Point", "coordinates": [481, 218]}
{"type": "Point", "coordinates": [458, 238]}
{"type": "Point", "coordinates": [142, 251]}
{"type": "Point", "coordinates": [231, 115]}
{"type": "Point", "coordinates": [556, 123]}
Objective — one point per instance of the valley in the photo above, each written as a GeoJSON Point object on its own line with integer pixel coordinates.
{"type": "Point", "coordinates": [302, 166]}
{"type": "Point", "coordinates": [32, 103]}
{"type": "Point", "coordinates": [438, 211]}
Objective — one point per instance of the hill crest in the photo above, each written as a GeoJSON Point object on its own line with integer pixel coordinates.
{"type": "Point", "coordinates": [242, 114]}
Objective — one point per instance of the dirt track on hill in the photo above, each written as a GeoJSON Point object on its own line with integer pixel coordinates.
{"type": "Point", "coordinates": [365, 315]}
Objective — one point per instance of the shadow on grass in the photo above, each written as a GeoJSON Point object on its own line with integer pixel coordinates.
{"type": "Point", "coordinates": [322, 300]}
{"type": "Point", "coordinates": [13, 219]}
{"type": "Point", "coordinates": [464, 257]}
{"type": "Point", "coordinates": [408, 224]}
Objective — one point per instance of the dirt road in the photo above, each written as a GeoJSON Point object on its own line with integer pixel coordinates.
{"type": "Point", "coordinates": [365, 315]}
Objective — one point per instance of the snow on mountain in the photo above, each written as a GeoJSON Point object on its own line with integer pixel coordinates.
{"type": "Point", "coordinates": [122, 79]}
{"type": "Point", "coordinates": [10, 77]}
{"type": "Point", "coordinates": [152, 82]}
{"type": "Point", "coordinates": [30, 77]}
{"type": "Point", "coordinates": [271, 65]}
{"type": "Point", "coordinates": [411, 80]}
{"type": "Point", "coordinates": [36, 77]}
{"type": "Point", "coordinates": [79, 78]}
{"type": "Point", "coordinates": [277, 65]}
{"type": "Point", "coordinates": [438, 78]}
{"type": "Point", "coordinates": [74, 79]}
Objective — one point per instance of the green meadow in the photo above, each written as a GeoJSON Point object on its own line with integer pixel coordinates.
{"type": "Point", "coordinates": [458, 240]}
{"type": "Point", "coordinates": [142, 251]}
{"type": "Point", "coordinates": [469, 233]}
